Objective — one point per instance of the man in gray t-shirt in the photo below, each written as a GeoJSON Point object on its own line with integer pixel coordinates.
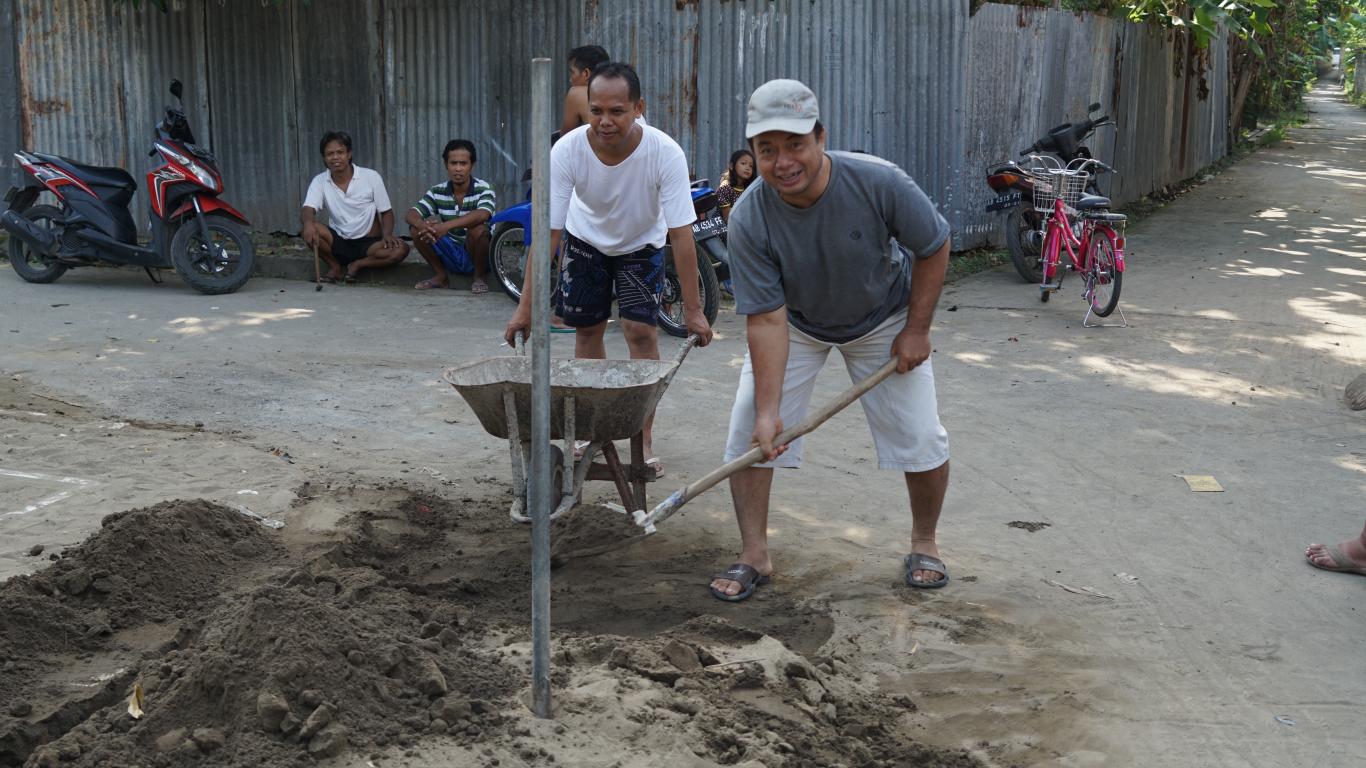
{"type": "Point", "coordinates": [832, 250]}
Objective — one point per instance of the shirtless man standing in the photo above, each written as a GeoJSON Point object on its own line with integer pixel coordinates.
{"type": "Point", "coordinates": [582, 61]}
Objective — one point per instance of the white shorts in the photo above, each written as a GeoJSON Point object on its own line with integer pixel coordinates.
{"type": "Point", "coordinates": [902, 412]}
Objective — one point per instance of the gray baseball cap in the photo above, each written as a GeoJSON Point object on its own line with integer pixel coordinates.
{"type": "Point", "coordinates": [782, 105]}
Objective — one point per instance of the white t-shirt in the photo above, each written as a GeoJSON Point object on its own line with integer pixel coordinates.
{"type": "Point", "coordinates": [351, 213]}
{"type": "Point", "coordinates": [620, 208]}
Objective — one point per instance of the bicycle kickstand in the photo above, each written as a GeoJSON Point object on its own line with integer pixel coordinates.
{"type": "Point", "coordinates": [1123, 321]}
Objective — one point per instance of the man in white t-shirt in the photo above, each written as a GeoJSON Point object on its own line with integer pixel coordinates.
{"type": "Point", "coordinates": [360, 221]}
{"type": "Point", "coordinates": [617, 189]}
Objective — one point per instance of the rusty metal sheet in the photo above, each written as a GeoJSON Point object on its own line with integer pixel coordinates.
{"type": "Point", "coordinates": [336, 50]}
{"type": "Point", "coordinates": [886, 82]}
{"type": "Point", "coordinates": [923, 84]}
{"type": "Point", "coordinates": [9, 96]}
{"type": "Point", "coordinates": [255, 122]}
{"type": "Point", "coordinates": [69, 102]}
{"type": "Point", "coordinates": [462, 69]}
{"type": "Point", "coordinates": [164, 46]}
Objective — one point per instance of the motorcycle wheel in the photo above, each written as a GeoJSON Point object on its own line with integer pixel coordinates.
{"type": "Point", "coordinates": [220, 266]}
{"type": "Point", "coordinates": [508, 255]}
{"type": "Point", "coordinates": [36, 267]}
{"type": "Point", "coordinates": [671, 297]}
{"type": "Point", "coordinates": [1023, 254]}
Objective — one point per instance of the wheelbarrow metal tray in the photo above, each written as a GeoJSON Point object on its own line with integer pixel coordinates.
{"type": "Point", "coordinates": [612, 398]}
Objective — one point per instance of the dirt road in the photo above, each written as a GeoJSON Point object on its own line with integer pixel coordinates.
{"type": "Point", "coordinates": [1191, 623]}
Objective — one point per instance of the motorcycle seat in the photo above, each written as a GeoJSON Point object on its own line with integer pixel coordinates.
{"type": "Point", "coordinates": [1091, 202]}
{"type": "Point", "coordinates": [94, 175]}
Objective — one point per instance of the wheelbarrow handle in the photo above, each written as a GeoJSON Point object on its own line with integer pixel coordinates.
{"type": "Point", "coordinates": [682, 496]}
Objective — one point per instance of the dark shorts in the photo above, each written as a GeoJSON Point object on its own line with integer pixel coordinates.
{"type": "Point", "coordinates": [454, 256]}
{"type": "Point", "coordinates": [346, 251]}
{"type": "Point", "coordinates": [590, 279]}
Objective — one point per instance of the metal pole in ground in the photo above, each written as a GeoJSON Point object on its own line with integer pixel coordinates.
{"type": "Point", "coordinates": [539, 491]}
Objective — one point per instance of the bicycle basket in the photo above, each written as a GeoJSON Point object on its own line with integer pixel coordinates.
{"type": "Point", "coordinates": [1053, 183]}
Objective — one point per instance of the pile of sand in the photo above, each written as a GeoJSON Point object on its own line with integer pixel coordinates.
{"type": "Point", "coordinates": [408, 631]}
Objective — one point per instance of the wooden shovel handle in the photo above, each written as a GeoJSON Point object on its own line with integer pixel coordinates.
{"type": "Point", "coordinates": [755, 455]}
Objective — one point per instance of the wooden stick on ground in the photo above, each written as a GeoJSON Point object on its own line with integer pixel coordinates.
{"type": "Point", "coordinates": [682, 496]}
{"type": "Point", "coordinates": [317, 271]}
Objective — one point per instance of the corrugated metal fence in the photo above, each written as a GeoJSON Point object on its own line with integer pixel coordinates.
{"type": "Point", "coordinates": [1032, 69]}
{"type": "Point", "coordinates": [924, 84]}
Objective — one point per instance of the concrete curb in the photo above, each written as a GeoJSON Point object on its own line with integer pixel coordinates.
{"type": "Point", "coordinates": [293, 262]}
{"type": "Point", "coordinates": [288, 261]}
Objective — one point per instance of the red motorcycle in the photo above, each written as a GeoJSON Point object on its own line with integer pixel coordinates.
{"type": "Point", "coordinates": [192, 230]}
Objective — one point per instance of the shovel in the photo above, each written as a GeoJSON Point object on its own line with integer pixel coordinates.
{"type": "Point", "coordinates": [677, 499]}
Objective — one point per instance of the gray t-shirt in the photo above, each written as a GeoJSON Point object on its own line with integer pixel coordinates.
{"type": "Point", "coordinates": [836, 265]}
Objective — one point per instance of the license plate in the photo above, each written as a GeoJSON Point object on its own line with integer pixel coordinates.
{"type": "Point", "coordinates": [1008, 200]}
{"type": "Point", "coordinates": [709, 226]}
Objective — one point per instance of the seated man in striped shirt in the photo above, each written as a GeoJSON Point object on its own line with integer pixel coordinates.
{"type": "Point", "coordinates": [449, 224]}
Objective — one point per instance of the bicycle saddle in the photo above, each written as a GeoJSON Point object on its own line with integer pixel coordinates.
{"type": "Point", "coordinates": [1090, 202]}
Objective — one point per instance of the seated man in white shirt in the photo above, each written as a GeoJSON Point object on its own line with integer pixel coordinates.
{"type": "Point", "coordinates": [360, 228]}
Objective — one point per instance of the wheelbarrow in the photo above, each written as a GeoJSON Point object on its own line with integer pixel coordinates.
{"type": "Point", "coordinates": [592, 401]}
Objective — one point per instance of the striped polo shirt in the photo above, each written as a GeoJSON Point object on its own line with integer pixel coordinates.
{"type": "Point", "coordinates": [440, 202]}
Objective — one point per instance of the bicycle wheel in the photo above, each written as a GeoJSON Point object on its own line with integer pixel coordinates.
{"type": "Point", "coordinates": [1102, 278]}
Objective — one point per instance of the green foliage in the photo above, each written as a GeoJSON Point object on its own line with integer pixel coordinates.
{"type": "Point", "coordinates": [1278, 43]}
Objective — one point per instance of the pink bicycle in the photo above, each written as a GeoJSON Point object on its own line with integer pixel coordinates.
{"type": "Point", "coordinates": [1084, 225]}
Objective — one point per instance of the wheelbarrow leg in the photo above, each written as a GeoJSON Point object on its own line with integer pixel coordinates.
{"type": "Point", "coordinates": [609, 452]}
{"type": "Point", "coordinates": [638, 469]}
{"type": "Point", "coordinates": [569, 489]}
{"type": "Point", "coordinates": [515, 448]}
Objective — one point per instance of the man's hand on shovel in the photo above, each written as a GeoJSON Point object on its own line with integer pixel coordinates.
{"type": "Point", "coordinates": [766, 431]}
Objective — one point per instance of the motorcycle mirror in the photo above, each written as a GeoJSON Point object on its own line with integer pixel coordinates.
{"type": "Point", "coordinates": [177, 89]}
{"type": "Point", "coordinates": [1095, 107]}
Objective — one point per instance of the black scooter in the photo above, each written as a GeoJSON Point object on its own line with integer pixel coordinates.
{"type": "Point", "coordinates": [192, 228]}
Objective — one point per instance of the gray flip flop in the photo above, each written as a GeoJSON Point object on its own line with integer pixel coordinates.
{"type": "Point", "coordinates": [918, 562]}
{"type": "Point", "coordinates": [1341, 563]}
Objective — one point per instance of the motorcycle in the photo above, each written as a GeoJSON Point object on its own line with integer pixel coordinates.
{"type": "Point", "coordinates": [192, 229]}
{"type": "Point", "coordinates": [1015, 189]}
{"type": "Point", "coordinates": [511, 229]}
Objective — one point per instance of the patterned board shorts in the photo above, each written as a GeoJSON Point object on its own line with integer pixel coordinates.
{"type": "Point", "coordinates": [590, 279]}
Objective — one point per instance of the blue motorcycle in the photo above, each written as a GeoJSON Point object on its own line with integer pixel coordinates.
{"type": "Point", "coordinates": [512, 237]}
